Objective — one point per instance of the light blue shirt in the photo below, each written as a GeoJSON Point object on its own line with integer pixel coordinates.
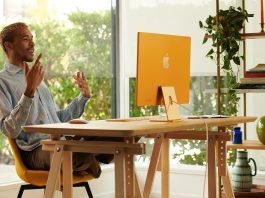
{"type": "Point", "coordinates": [17, 110]}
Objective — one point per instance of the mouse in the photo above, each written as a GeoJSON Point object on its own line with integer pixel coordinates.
{"type": "Point", "coordinates": [78, 121]}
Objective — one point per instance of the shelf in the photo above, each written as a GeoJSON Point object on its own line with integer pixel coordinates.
{"type": "Point", "coordinates": [240, 91]}
{"type": "Point", "coordinates": [247, 144]}
{"type": "Point", "coordinates": [255, 35]}
{"type": "Point", "coordinates": [257, 191]}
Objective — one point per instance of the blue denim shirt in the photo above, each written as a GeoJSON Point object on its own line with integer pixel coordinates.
{"type": "Point", "coordinates": [17, 110]}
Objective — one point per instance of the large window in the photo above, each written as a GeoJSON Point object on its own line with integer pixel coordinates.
{"type": "Point", "coordinates": [74, 37]}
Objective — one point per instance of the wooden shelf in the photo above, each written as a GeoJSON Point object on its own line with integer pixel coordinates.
{"type": "Point", "coordinates": [240, 91]}
{"type": "Point", "coordinates": [247, 144]}
{"type": "Point", "coordinates": [257, 191]}
{"type": "Point", "coordinates": [254, 35]}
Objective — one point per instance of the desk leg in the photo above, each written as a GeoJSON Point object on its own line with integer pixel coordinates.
{"type": "Point", "coordinates": [54, 171]}
{"type": "Point", "coordinates": [165, 168]}
{"type": "Point", "coordinates": [120, 191]}
{"type": "Point", "coordinates": [211, 167]}
{"type": "Point", "coordinates": [129, 172]}
{"type": "Point", "coordinates": [227, 186]}
{"type": "Point", "coordinates": [152, 166]}
{"type": "Point", "coordinates": [67, 175]}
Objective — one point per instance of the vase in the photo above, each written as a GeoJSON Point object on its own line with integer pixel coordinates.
{"type": "Point", "coordinates": [260, 128]}
{"type": "Point", "coordinates": [242, 173]}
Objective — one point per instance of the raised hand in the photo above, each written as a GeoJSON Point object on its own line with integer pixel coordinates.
{"type": "Point", "coordinates": [80, 80]}
{"type": "Point", "coordinates": [33, 76]}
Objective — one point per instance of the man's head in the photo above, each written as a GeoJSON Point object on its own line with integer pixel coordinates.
{"type": "Point", "coordinates": [17, 42]}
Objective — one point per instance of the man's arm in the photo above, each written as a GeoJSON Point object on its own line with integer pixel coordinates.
{"type": "Point", "coordinates": [11, 119]}
{"type": "Point", "coordinates": [76, 108]}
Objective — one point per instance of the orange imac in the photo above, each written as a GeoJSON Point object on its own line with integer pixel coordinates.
{"type": "Point", "coordinates": [163, 71]}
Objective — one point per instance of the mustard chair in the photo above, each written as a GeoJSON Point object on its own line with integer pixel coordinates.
{"type": "Point", "coordinates": [37, 179]}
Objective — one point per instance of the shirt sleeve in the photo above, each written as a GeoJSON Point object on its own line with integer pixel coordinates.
{"type": "Point", "coordinates": [74, 110]}
{"type": "Point", "coordinates": [12, 118]}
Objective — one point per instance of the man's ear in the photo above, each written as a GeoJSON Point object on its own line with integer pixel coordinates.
{"type": "Point", "coordinates": [8, 46]}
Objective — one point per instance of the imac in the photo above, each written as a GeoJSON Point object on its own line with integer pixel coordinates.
{"type": "Point", "coordinates": [163, 71]}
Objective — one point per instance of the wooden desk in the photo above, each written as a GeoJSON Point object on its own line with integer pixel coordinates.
{"type": "Point", "coordinates": [161, 131]}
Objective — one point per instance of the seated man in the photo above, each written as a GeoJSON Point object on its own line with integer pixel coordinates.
{"type": "Point", "coordinates": [25, 100]}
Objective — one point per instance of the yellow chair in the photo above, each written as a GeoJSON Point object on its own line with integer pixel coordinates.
{"type": "Point", "coordinates": [37, 179]}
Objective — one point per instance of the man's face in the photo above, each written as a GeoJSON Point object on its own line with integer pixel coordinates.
{"type": "Point", "coordinates": [23, 46]}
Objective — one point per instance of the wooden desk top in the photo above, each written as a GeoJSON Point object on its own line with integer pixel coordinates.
{"type": "Point", "coordinates": [132, 128]}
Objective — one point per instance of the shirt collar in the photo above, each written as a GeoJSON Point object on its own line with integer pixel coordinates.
{"type": "Point", "coordinates": [13, 69]}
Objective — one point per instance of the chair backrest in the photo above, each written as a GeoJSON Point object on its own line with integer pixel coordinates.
{"type": "Point", "coordinates": [35, 177]}
{"type": "Point", "coordinates": [19, 164]}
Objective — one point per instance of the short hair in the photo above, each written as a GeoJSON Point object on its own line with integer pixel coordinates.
{"type": "Point", "coordinates": [8, 33]}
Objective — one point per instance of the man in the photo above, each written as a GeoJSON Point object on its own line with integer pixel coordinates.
{"type": "Point", "coordinates": [25, 100]}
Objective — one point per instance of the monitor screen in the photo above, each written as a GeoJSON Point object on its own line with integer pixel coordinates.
{"type": "Point", "coordinates": [162, 60]}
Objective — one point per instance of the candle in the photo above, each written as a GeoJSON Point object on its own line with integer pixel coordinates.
{"type": "Point", "coordinates": [261, 12]}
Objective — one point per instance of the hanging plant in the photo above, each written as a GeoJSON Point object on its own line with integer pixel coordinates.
{"type": "Point", "coordinates": [226, 35]}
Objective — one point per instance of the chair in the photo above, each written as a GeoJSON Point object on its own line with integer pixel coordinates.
{"type": "Point", "coordinates": [37, 179]}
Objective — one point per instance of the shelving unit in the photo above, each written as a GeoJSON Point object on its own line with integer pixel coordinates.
{"type": "Point", "coordinates": [247, 144]}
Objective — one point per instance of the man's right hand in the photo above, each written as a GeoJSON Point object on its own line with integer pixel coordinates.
{"type": "Point", "coordinates": [33, 77]}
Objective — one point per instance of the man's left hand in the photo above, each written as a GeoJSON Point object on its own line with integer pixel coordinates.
{"type": "Point", "coordinates": [82, 84]}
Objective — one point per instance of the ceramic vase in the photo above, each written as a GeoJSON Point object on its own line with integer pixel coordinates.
{"type": "Point", "coordinates": [242, 173]}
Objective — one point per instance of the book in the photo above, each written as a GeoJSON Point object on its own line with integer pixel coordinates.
{"type": "Point", "coordinates": [258, 68]}
{"type": "Point", "coordinates": [251, 86]}
{"type": "Point", "coordinates": [254, 74]}
{"type": "Point", "coordinates": [252, 80]}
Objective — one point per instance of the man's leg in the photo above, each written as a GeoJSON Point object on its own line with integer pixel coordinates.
{"type": "Point", "coordinates": [40, 160]}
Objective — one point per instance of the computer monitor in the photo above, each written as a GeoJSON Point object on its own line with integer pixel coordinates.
{"type": "Point", "coordinates": [162, 61]}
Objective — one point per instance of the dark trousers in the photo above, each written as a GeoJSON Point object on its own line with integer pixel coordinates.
{"type": "Point", "coordinates": [40, 160]}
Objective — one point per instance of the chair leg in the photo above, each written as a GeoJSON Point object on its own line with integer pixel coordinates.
{"type": "Point", "coordinates": [27, 187]}
{"type": "Point", "coordinates": [86, 185]}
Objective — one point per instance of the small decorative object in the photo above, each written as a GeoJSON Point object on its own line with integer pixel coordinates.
{"type": "Point", "coordinates": [260, 128]}
{"type": "Point", "coordinates": [242, 173]}
{"type": "Point", "coordinates": [237, 138]}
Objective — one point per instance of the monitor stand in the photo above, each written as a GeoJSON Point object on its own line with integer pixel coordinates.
{"type": "Point", "coordinates": [171, 106]}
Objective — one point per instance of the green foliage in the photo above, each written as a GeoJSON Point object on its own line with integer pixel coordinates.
{"type": "Point", "coordinates": [90, 49]}
{"type": "Point", "coordinates": [225, 35]}
{"type": "Point", "coordinates": [51, 39]}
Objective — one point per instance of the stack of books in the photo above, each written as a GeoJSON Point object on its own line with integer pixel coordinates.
{"type": "Point", "coordinates": [254, 78]}
{"type": "Point", "coordinates": [256, 72]}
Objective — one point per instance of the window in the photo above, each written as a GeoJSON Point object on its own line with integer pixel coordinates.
{"type": "Point", "coordinates": [74, 37]}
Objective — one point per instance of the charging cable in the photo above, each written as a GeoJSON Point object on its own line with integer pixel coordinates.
{"type": "Point", "coordinates": [206, 143]}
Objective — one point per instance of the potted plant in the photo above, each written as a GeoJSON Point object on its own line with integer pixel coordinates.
{"type": "Point", "coordinates": [225, 34]}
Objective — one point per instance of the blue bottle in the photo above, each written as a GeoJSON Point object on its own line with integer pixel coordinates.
{"type": "Point", "coordinates": [237, 139]}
